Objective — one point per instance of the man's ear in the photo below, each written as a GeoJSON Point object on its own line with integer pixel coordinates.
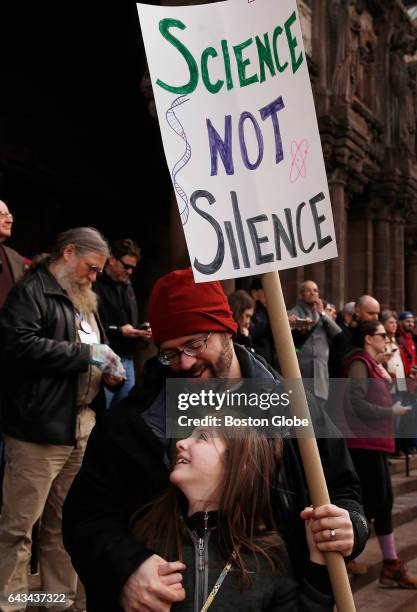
{"type": "Point", "coordinates": [68, 252]}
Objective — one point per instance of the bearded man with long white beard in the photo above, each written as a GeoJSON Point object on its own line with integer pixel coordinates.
{"type": "Point", "coordinates": [53, 360]}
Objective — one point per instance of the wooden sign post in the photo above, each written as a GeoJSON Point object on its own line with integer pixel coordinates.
{"type": "Point", "coordinates": [313, 469]}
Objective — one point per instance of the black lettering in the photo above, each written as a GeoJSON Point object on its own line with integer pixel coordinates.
{"type": "Point", "coordinates": [257, 240]}
{"type": "Point", "coordinates": [299, 234]}
{"type": "Point", "coordinates": [232, 244]}
{"type": "Point", "coordinates": [239, 229]}
{"type": "Point", "coordinates": [287, 236]}
{"type": "Point", "coordinates": [318, 220]}
{"type": "Point", "coordinates": [216, 264]}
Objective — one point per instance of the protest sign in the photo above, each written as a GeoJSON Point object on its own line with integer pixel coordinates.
{"type": "Point", "coordinates": [240, 135]}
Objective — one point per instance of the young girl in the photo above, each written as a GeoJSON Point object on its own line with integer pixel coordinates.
{"type": "Point", "coordinates": [217, 518]}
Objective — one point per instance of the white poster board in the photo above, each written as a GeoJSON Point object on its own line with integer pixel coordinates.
{"type": "Point", "coordinates": [240, 134]}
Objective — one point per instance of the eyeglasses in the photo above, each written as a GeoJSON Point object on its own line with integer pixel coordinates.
{"type": "Point", "coordinates": [380, 334]}
{"type": "Point", "coordinates": [7, 215]}
{"type": "Point", "coordinates": [126, 265]}
{"type": "Point", "coordinates": [192, 349]}
{"type": "Point", "coordinates": [93, 269]}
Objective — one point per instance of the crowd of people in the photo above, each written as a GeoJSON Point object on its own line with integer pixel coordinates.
{"type": "Point", "coordinates": [216, 519]}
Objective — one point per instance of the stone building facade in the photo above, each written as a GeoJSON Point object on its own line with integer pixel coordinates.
{"type": "Point", "coordinates": [364, 73]}
{"type": "Point", "coordinates": [363, 66]}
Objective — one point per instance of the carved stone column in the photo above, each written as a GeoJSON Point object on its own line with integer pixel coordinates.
{"type": "Point", "coordinates": [335, 287]}
{"type": "Point", "coordinates": [319, 51]}
{"type": "Point", "coordinates": [317, 273]}
{"type": "Point", "coordinates": [411, 282]}
{"type": "Point", "coordinates": [397, 262]}
{"type": "Point", "coordinates": [360, 255]}
{"type": "Point", "coordinates": [382, 257]}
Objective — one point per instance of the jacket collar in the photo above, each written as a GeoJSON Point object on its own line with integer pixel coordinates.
{"type": "Point", "coordinates": [307, 310]}
{"type": "Point", "coordinates": [106, 278]}
{"type": "Point", "coordinates": [250, 366]}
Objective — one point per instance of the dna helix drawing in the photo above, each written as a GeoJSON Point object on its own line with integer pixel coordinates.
{"type": "Point", "coordinates": [177, 127]}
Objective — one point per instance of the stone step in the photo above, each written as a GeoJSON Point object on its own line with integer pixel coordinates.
{"type": "Point", "coordinates": [406, 543]}
{"type": "Point", "coordinates": [375, 598]}
{"type": "Point", "coordinates": [405, 509]}
{"type": "Point", "coordinates": [404, 484]}
{"type": "Point", "coordinates": [398, 466]}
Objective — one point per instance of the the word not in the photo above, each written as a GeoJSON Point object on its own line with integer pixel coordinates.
{"type": "Point", "coordinates": [223, 146]}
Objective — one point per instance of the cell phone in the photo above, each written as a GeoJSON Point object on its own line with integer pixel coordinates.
{"type": "Point", "coordinates": [300, 322]}
{"type": "Point", "coordinates": [144, 326]}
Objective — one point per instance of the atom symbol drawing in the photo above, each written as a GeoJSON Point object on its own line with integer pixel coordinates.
{"type": "Point", "coordinates": [299, 152]}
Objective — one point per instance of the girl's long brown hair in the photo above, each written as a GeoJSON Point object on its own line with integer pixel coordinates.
{"type": "Point", "coordinates": [245, 517]}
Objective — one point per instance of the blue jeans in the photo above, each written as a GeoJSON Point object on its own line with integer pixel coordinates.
{"type": "Point", "coordinates": [113, 398]}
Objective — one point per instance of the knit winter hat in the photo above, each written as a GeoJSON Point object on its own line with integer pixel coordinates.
{"type": "Point", "coordinates": [405, 315]}
{"type": "Point", "coordinates": [180, 307]}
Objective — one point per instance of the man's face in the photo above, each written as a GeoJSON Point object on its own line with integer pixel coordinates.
{"type": "Point", "coordinates": [407, 324]}
{"type": "Point", "coordinates": [76, 273]}
{"type": "Point", "coordinates": [368, 310]}
{"type": "Point", "coordinates": [83, 269]}
{"type": "Point", "coordinates": [309, 292]}
{"type": "Point", "coordinates": [212, 361]}
{"type": "Point", "coordinates": [6, 222]}
{"type": "Point", "coordinates": [120, 270]}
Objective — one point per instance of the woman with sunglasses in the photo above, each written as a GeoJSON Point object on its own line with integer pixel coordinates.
{"type": "Point", "coordinates": [217, 519]}
{"type": "Point", "coordinates": [370, 411]}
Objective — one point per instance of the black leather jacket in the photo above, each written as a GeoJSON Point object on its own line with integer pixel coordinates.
{"type": "Point", "coordinates": [40, 361]}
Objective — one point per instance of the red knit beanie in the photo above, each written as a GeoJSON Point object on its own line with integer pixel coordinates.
{"type": "Point", "coordinates": [180, 307]}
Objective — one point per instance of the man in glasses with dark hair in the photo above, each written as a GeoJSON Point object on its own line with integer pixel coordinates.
{"type": "Point", "coordinates": [119, 311]}
{"type": "Point", "coordinates": [127, 463]}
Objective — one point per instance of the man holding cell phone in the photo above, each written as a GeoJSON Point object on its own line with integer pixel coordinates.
{"type": "Point", "coordinates": [317, 330]}
{"type": "Point", "coordinates": [119, 311]}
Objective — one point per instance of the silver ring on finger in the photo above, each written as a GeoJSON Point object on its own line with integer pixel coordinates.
{"type": "Point", "coordinates": [332, 534]}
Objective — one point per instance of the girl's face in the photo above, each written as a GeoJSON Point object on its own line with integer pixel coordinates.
{"type": "Point", "coordinates": [391, 326]}
{"type": "Point", "coordinates": [199, 468]}
{"type": "Point", "coordinates": [245, 317]}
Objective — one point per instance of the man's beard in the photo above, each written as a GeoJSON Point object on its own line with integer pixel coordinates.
{"type": "Point", "coordinates": [80, 293]}
{"type": "Point", "coordinates": [219, 369]}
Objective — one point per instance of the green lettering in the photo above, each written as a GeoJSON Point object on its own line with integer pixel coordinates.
{"type": "Point", "coordinates": [164, 26]}
{"type": "Point", "coordinates": [292, 43]}
{"type": "Point", "coordinates": [211, 87]}
{"type": "Point", "coordinates": [277, 32]}
{"type": "Point", "coordinates": [265, 56]}
{"type": "Point", "coordinates": [229, 80]}
{"type": "Point", "coordinates": [241, 64]}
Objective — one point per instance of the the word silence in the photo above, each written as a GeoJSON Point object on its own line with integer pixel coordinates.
{"type": "Point", "coordinates": [293, 231]}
